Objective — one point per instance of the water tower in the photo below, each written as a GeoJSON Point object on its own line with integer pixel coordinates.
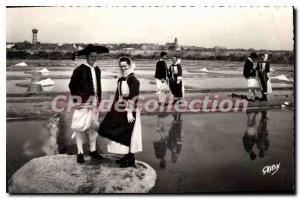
{"type": "Point", "coordinates": [34, 35]}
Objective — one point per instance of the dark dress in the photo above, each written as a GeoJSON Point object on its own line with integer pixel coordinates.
{"type": "Point", "coordinates": [262, 141]}
{"type": "Point", "coordinates": [115, 125]}
{"type": "Point", "coordinates": [262, 74]}
{"type": "Point", "coordinates": [81, 84]}
{"type": "Point", "coordinates": [175, 88]}
{"type": "Point", "coordinates": [174, 141]}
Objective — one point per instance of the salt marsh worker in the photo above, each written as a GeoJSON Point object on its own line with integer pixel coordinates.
{"type": "Point", "coordinates": [122, 124]}
{"type": "Point", "coordinates": [175, 79]}
{"type": "Point", "coordinates": [85, 88]}
{"type": "Point", "coordinates": [161, 77]}
{"type": "Point", "coordinates": [250, 75]}
{"type": "Point", "coordinates": [263, 71]}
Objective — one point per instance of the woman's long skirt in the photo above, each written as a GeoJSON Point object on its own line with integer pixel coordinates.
{"type": "Point", "coordinates": [176, 89]}
{"type": "Point", "coordinates": [124, 136]}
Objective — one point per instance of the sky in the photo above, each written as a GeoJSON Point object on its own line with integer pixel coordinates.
{"type": "Point", "coordinates": [231, 27]}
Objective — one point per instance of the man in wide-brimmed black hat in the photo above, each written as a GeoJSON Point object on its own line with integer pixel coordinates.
{"type": "Point", "coordinates": [85, 88]}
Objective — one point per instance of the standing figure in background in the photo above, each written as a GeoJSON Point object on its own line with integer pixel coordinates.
{"type": "Point", "coordinates": [122, 124]}
{"type": "Point", "coordinates": [174, 141]}
{"type": "Point", "coordinates": [85, 87]}
{"type": "Point", "coordinates": [161, 77]}
{"type": "Point", "coordinates": [262, 141]}
{"type": "Point", "coordinates": [250, 75]}
{"type": "Point", "coordinates": [249, 137]}
{"type": "Point", "coordinates": [175, 79]}
{"type": "Point", "coordinates": [263, 70]}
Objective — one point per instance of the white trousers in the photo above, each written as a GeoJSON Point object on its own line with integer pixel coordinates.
{"type": "Point", "coordinates": [85, 120]}
{"type": "Point", "coordinates": [161, 88]}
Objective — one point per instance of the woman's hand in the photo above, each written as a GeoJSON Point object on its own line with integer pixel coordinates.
{"type": "Point", "coordinates": [268, 76]}
{"type": "Point", "coordinates": [130, 117]}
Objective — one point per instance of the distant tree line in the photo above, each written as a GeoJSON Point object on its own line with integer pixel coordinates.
{"type": "Point", "coordinates": [280, 57]}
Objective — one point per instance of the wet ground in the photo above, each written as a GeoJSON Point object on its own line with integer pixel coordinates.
{"type": "Point", "coordinates": [197, 75]}
{"type": "Point", "coordinates": [190, 152]}
{"type": "Point", "coordinates": [204, 152]}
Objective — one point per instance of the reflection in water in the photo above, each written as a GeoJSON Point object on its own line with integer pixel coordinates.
{"type": "Point", "coordinates": [256, 134]}
{"type": "Point", "coordinates": [262, 141]}
{"type": "Point", "coordinates": [174, 141]}
{"type": "Point", "coordinates": [160, 145]}
{"type": "Point", "coordinates": [205, 140]}
{"type": "Point", "coordinates": [171, 141]}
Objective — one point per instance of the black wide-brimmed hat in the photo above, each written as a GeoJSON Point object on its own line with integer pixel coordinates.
{"type": "Point", "coordinates": [163, 54]}
{"type": "Point", "coordinates": [91, 48]}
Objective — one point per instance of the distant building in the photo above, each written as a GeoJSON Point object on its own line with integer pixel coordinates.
{"type": "Point", "coordinates": [176, 43]}
{"type": "Point", "coordinates": [23, 45]}
{"type": "Point", "coordinates": [127, 50]}
{"type": "Point", "coordinates": [34, 35]}
{"type": "Point", "coordinates": [173, 46]}
{"type": "Point", "coordinates": [149, 47]}
{"type": "Point", "coordinates": [219, 49]}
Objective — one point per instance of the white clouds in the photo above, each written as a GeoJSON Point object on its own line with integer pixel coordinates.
{"type": "Point", "coordinates": [259, 28]}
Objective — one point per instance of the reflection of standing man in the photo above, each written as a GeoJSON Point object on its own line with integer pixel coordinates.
{"type": "Point", "coordinates": [262, 141]}
{"type": "Point", "coordinates": [85, 86]}
{"type": "Point", "coordinates": [161, 77]}
{"type": "Point", "coordinates": [160, 145]}
{"type": "Point", "coordinates": [249, 137]}
{"type": "Point", "coordinates": [174, 141]}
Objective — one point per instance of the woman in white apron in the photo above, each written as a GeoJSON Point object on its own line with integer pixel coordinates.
{"type": "Point", "coordinates": [175, 79]}
{"type": "Point", "coordinates": [122, 124]}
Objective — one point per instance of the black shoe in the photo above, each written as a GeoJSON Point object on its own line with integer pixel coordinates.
{"type": "Point", "coordinates": [129, 162]}
{"type": "Point", "coordinates": [95, 155]}
{"type": "Point", "coordinates": [256, 98]}
{"type": "Point", "coordinates": [122, 160]}
{"type": "Point", "coordinates": [80, 158]}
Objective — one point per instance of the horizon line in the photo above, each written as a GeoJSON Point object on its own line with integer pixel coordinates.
{"type": "Point", "coordinates": [85, 43]}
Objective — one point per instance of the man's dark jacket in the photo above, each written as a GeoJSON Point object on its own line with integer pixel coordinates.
{"type": "Point", "coordinates": [81, 83]}
{"type": "Point", "coordinates": [161, 70]}
{"type": "Point", "coordinates": [249, 69]}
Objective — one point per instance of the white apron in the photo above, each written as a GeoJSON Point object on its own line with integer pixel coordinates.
{"type": "Point", "coordinates": [135, 143]}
